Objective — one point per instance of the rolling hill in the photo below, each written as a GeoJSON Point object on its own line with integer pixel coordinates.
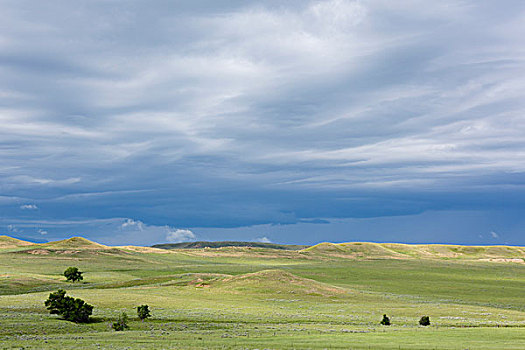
{"type": "Point", "coordinates": [274, 280]}
{"type": "Point", "coordinates": [350, 250]}
{"type": "Point", "coordinates": [73, 243]}
{"type": "Point", "coordinates": [417, 251]}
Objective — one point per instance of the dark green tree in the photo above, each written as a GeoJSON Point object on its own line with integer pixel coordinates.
{"type": "Point", "coordinates": [424, 321]}
{"type": "Point", "coordinates": [385, 321]}
{"type": "Point", "coordinates": [71, 309]}
{"type": "Point", "coordinates": [143, 312]}
{"type": "Point", "coordinates": [73, 274]}
{"type": "Point", "coordinates": [122, 322]}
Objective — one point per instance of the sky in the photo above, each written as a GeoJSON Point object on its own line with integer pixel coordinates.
{"type": "Point", "coordinates": [293, 121]}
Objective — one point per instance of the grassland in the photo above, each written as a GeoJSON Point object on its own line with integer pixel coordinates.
{"type": "Point", "coordinates": [326, 296]}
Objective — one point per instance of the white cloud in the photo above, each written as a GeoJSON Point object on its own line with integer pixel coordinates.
{"type": "Point", "coordinates": [137, 232]}
{"type": "Point", "coordinates": [28, 207]}
{"type": "Point", "coordinates": [494, 234]}
{"type": "Point", "coordinates": [263, 240]}
{"type": "Point", "coordinates": [180, 235]}
{"type": "Point", "coordinates": [130, 223]}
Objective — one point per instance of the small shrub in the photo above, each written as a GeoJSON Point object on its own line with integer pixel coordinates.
{"type": "Point", "coordinates": [122, 322]}
{"type": "Point", "coordinates": [385, 321]}
{"type": "Point", "coordinates": [143, 312]}
{"type": "Point", "coordinates": [73, 274]}
{"type": "Point", "coordinates": [71, 309]}
{"type": "Point", "coordinates": [424, 321]}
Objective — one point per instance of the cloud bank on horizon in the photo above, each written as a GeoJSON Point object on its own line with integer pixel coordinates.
{"type": "Point", "coordinates": [295, 121]}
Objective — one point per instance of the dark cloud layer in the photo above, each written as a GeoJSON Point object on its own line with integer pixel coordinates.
{"type": "Point", "coordinates": [210, 115]}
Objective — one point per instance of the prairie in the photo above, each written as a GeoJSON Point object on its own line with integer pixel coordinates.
{"type": "Point", "coordinates": [321, 297]}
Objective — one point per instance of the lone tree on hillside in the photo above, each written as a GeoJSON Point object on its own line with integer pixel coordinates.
{"type": "Point", "coordinates": [71, 309]}
{"type": "Point", "coordinates": [424, 321]}
{"type": "Point", "coordinates": [143, 312]}
{"type": "Point", "coordinates": [73, 274]}
{"type": "Point", "coordinates": [385, 321]}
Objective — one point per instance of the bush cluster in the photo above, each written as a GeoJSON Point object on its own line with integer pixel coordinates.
{"type": "Point", "coordinates": [77, 310]}
{"type": "Point", "coordinates": [71, 309]}
{"type": "Point", "coordinates": [122, 323]}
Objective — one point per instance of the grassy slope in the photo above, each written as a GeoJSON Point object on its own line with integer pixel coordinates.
{"type": "Point", "coordinates": [7, 242]}
{"type": "Point", "coordinates": [261, 298]}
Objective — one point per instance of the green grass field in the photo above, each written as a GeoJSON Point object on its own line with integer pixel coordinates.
{"type": "Point", "coordinates": [323, 297]}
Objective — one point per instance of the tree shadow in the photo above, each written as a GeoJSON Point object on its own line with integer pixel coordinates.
{"type": "Point", "coordinates": [91, 320]}
{"type": "Point", "coordinates": [97, 320]}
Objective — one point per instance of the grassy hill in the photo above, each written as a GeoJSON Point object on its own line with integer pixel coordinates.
{"type": "Point", "coordinates": [325, 296]}
{"type": "Point", "coordinates": [73, 243]}
{"type": "Point", "coordinates": [7, 242]}
{"type": "Point", "coordinates": [275, 280]}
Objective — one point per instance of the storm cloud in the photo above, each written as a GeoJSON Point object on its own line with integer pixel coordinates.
{"type": "Point", "coordinates": [206, 114]}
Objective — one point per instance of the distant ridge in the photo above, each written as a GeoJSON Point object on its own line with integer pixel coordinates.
{"type": "Point", "coordinates": [400, 251]}
{"type": "Point", "coordinates": [204, 244]}
{"type": "Point", "coordinates": [350, 250]}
